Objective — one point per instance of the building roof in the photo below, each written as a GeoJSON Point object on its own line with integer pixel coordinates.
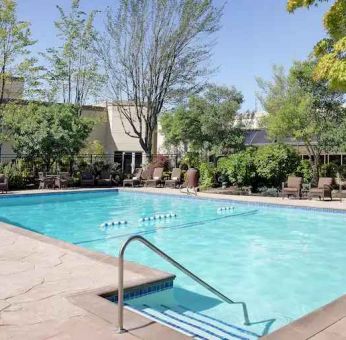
{"type": "Point", "coordinates": [257, 137]}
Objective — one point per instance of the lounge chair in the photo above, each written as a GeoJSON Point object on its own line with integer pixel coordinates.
{"type": "Point", "coordinates": [105, 179]}
{"type": "Point", "coordinates": [136, 178]}
{"type": "Point", "coordinates": [62, 180]}
{"type": "Point", "coordinates": [3, 183]}
{"type": "Point", "coordinates": [323, 190]}
{"type": "Point", "coordinates": [46, 181]}
{"type": "Point", "coordinates": [175, 179]}
{"type": "Point", "coordinates": [191, 181]}
{"type": "Point", "coordinates": [156, 178]}
{"type": "Point", "coordinates": [293, 187]}
{"type": "Point", "coordinates": [87, 179]}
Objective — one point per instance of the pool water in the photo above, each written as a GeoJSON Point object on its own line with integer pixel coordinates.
{"type": "Point", "coordinates": [282, 262]}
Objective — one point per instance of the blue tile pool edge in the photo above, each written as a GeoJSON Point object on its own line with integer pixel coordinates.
{"type": "Point", "coordinates": [232, 200]}
{"type": "Point", "coordinates": [143, 290]}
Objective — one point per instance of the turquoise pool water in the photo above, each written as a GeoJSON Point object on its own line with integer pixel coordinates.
{"type": "Point", "coordinates": [281, 262]}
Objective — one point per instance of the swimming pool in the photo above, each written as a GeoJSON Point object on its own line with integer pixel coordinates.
{"type": "Point", "coordinates": [282, 262]}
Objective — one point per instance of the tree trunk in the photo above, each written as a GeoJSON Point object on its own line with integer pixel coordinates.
{"type": "Point", "coordinates": [315, 164]}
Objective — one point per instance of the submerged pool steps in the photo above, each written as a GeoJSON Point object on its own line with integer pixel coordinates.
{"type": "Point", "coordinates": [195, 324]}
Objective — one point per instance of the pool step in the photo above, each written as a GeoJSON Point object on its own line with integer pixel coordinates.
{"type": "Point", "coordinates": [192, 323]}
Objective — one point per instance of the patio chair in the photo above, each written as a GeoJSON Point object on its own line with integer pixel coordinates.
{"type": "Point", "coordinates": [341, 192]}
{"type": "Point", "coordinates": [87, 179]}
{"type": "Point", "coordinates": [46, 181]}
{"type": "Point", "coordinates": [105, 179]}
{"type": "Point", "coordinates": [293, 187]}
{"type": "Point", "coordinates": [62, 180]}
{"type": "Point", "coordinates": [136, 178]}
{"type": "Point", "coordinates": [41, 178]}
{"type": "Point", "coordinates": [3, 184]}
{"type": "Point", "coordinates": [147, 174]}
{"type": "Point", "coordinates": [323, 190]}
{"type": "Point", "coordinates": [156, 178]}
{"type": "Point", "coordinates": [191, 181]}
{"type": "Point", "coordinates": [175, 179]}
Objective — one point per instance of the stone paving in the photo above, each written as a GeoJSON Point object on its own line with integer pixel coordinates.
{"type": "Point", "coordinates": [50, 290]}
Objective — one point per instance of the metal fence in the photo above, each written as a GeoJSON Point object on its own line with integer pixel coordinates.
{"type": "Point", "coordinates": [127, 161]}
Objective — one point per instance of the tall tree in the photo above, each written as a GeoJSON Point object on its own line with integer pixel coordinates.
{"type": "Point", "coordinates": [304, 109]}
{"type": "Point", "coordinates": [154, 50]}
{"type": "Point", "coordinates": [45, 132]}
{"type": "Point", "coordinates": [207, 122]}
{"type": "Point", "coordinates": [330, 51]}
{"type": "Point", "coordinates": [15, 40]}
{"type": "Point", "coordinates": [73, 74]}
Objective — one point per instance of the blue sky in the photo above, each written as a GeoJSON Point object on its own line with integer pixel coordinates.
{"type": "Point", "coordinates": [255, 34]}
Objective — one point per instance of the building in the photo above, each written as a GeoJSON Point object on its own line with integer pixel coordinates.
{"type": "Point", "coordinates": [14, 88]}
{"type": "Point", "coordinates": [259, 137]}
{"type": "Point", "coordinates": [109, 131]}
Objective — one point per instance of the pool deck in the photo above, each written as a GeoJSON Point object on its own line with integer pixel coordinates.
{"type": "Point", "coordinates": [51, 289]}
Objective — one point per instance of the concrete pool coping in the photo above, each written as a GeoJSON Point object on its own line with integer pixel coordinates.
{"type": "Point", "coordinates": [53, 289]}
{"type": "Point", "coordinates": [328, 322]}
{"type": "Point", "coordinates": [327, 205]}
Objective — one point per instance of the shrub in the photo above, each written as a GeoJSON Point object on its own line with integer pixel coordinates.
{"type": "Point", "coordinates": [160, 161]}
{"type": "Point", "coordinates": [206, 175]}
{"type": "Point", "coordinates": [116, 173]}
{"type": "Point", "coordinates": [275, 162]}
{"type": "Point", "coordinates": [17, 174]}
{"type": "Point", "coordinates": [304, 170]}
{"type": "Point", "coordinates": [239, 168]}
{"type": "Point", "coordinates": [190, 160]}
{"type": "Point", "coordinates": [269, 192]}
{"type": "Point", "coordinates": [329, 170]}
{"type": "Point", "coordinates": [342, 171]}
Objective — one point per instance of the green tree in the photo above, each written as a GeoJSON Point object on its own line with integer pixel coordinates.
{"type": "Point", "coordinates": [73, 74]}
{"type": "Point", "coordinates": [275, 162]}
{"type": "Point", "coordinates": [207, 122]}
{"type": "Point", "coordinates": [45, 132]}
{"type": "Point", "coordinates": [154, 51]}
{"type": "Point", "coordinates": [239, 168]}
{"type": "Point", "coordinates": [304, 109]}
{"type": "Point", "coordinates": [330, 51]}
{"type": "Point", "coordinates": [15, 37]}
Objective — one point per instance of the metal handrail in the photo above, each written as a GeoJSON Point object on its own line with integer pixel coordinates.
{"type": "Point", "coordinates": [175, 264]}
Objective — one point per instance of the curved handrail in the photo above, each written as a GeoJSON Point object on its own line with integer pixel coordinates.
{"type": "Point", "coordinates": [172, 262]}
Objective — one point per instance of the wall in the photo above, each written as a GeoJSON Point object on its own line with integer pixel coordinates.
{"type": "Point", "coordinates": [14, 88]}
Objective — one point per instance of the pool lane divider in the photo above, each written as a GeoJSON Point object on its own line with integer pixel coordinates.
{"type": "Point", "coordinates": [112, 223]}
{"type": "Point", "coordinates": [227, 208]}
{"type": "Point", "coordinates": [157, 217]}
{"type": "Point", "coordinates": [179, 226]}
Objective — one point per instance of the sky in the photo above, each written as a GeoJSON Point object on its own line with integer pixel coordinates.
{"type": "Point", "coordinates": [254, 35]}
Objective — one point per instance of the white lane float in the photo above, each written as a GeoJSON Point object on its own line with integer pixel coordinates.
{"type": "Point", "coordinates": [227, 208]}
{"type": "Point", "coordinates": [157, 217]}
{"type": "Point", "coordinates": [112, 223]}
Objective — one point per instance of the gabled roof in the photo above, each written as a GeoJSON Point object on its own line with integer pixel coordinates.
{"type": "Point", "coordinates": [257, 137]}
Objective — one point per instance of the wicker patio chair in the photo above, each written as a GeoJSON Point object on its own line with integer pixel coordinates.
{"type": "Point", "coordinates": [87, 179]}
{"type": "Point", "coordinates": [175, 180]}
{"type": "Point", "coordinates": [324, 188]}
{"type": "Point", "coordinates": [293, 187]}
{"type": "Point", "coordinates": [136, 178]}
{"type": "Point", "coordinates": [156, 179]}
{"type": "Point", "coordinates": [3, 183]}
